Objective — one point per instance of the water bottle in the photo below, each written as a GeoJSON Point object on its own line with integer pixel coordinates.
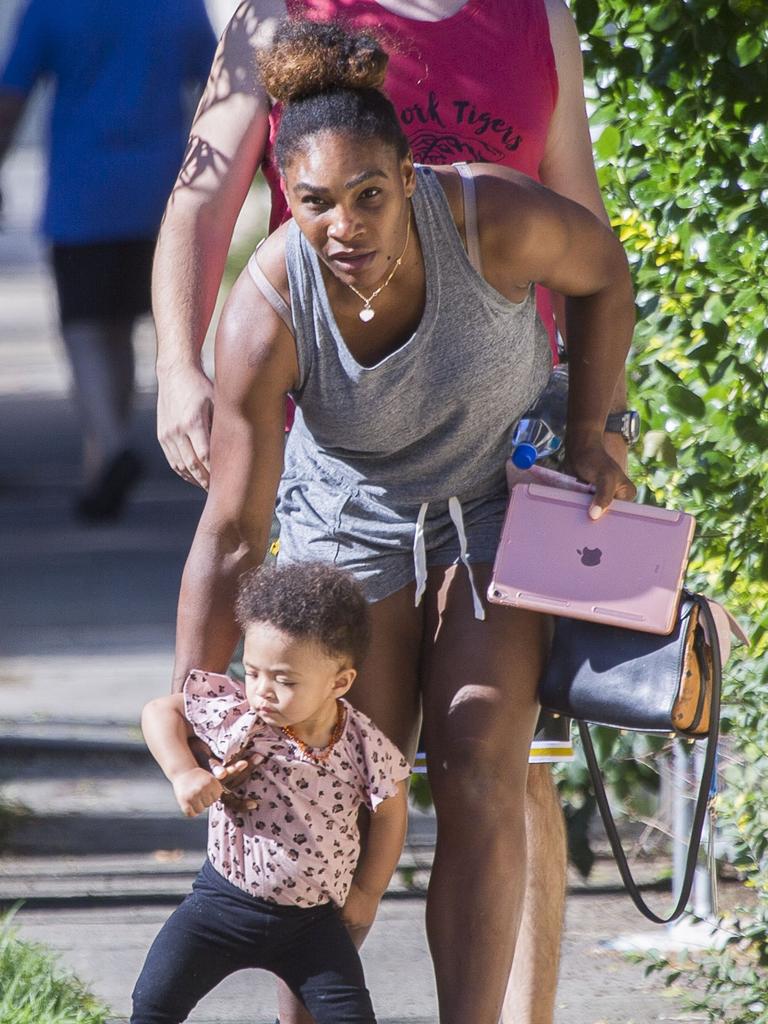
{"type": "Point", "coordinates": [540, 432]}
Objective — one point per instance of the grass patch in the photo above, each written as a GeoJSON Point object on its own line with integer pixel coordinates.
{"type": "Point", "coordinates": [35, 990]}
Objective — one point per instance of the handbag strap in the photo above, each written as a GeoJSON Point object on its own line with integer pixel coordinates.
{"type": "Point", "coordinates": [702, 800]}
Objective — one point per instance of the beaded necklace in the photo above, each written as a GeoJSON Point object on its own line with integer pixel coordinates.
{"type": "Point", "coordinates": [318, 755]}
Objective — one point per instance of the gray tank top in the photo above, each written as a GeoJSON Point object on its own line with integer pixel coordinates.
{"type": "Point", "coordinates": [433, 419]}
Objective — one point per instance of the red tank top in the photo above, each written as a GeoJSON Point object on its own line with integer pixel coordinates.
{"type": "Point", "coordinates": [479, 86]}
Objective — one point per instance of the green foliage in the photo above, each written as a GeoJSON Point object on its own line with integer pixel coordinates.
{"type": "Point", "coordinates": [680, 90]}
{"type": "Point", "coordinates": [629, 766]}
{"type": "Point", "coordinates": [33, 990]}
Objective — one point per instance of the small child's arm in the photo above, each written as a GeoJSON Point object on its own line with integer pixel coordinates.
{"type": "Point", "coordinates": [167, 732]}
{"type": "Point", "coordinates": [378, 860]}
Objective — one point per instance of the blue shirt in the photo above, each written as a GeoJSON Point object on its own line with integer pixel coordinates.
{"type": "Point", "coordinates": [121, 70]}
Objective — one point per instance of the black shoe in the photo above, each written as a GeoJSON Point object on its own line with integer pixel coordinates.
{"type": "Point", "coordinates": [105, 498]}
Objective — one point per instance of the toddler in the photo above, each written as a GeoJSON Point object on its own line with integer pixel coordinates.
{"type": "Point", "coordinates": [284, 879]}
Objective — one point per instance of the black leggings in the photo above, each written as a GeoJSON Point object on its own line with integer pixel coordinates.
{"type": "Point", "coordinates": [219, 929]}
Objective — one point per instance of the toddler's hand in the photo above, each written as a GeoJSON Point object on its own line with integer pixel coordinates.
{"type": "Point", "coordinates": [360, 908]}
{"type": "Point", "coordinates": [196, 789]}
{"type": "Point", "coordinates": [230, 776]}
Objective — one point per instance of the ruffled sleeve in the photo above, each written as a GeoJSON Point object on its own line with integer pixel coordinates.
{"type": "Point", "coordinates": [380, 763]}
{"type": "Point", "coordinates": [216, 707]}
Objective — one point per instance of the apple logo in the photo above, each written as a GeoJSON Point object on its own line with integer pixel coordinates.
{"type": "Point", "coordinates": [590, 556]}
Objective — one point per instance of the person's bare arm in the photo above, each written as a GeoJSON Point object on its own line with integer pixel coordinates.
{"type": "Point", "coordinates": [568, 165]}
{"type": "Point", "coordinates": [255, 367]}
{"type": "Point", "coordinates": [384, 843]}
{"type": "Point", "coordinates": [561, 245]}
{"type": "Point", "coordinates": [225, 149]}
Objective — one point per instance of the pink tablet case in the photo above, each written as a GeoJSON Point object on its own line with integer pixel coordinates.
{"type": "Point", "coordinates": [625, 569]}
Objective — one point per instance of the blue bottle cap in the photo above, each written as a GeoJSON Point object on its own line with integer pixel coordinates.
{"type": "Point", "coordinates": [524, 455]}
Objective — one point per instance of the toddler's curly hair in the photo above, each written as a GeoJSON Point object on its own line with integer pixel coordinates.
{"type": "Point", "coordinates": [309, 601]}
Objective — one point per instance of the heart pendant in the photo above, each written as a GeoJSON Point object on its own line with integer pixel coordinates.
{"type": "Point", "coordinates": [366, 314]}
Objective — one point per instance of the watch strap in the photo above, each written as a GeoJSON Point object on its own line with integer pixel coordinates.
{"type": "Point", "coordinates": [624, 422]}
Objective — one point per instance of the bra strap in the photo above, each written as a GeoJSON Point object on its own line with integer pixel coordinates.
{"type": "Point", "coordinates": [270, 293]}
{"type": "Point", "coordinates": [469, 195]}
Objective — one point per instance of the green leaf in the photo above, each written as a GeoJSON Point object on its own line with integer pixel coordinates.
{"type": "Point", "coordinates": [750, 430]}
{"type": "Point", "coordinates": [748, 49]}
{"type": "Point", "coordinates": [668, 371]}
{"type": "Point", "coordinates": [715, 308]}
{"type": "Point", "coordinates": [586, 12]}
{"type": "Point", "coordinates": [662, 16]}
{"type": "Point", "coordinates": [686, 401]}
{"type": "Point", "coordinates": [687, 201]}
{"type": "Point", "coordinates": [722, 368]}
{"type": "Point", "coordinates": [609, 143]}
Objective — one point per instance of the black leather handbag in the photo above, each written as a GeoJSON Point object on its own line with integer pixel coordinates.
{"type": "Point", "coordinates": [646, 683]}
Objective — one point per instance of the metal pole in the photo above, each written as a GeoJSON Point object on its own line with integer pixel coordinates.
{"type": "Point", "coordinates": [702, 881]}
{"type": "Point", "coordinates": [681, 812]}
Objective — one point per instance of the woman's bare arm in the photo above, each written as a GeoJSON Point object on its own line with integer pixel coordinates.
{"type": "Point", "coordinates": [255, 367]}
{"type": "Point", "coordinates": [568, 166]}
{"type": "Point", "coordinates": [529, 233]}
{"type": "Point", "coordinates": [224, 152]}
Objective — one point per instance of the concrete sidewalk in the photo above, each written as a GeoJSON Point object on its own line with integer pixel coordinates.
{"type": "Point", "coordinates": [86, 631]}
{"type": "Point", "coordinates": [106, 947]}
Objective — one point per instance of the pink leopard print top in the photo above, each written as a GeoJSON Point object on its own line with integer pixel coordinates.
{"type": "Point", "coordinates": [301, 844]}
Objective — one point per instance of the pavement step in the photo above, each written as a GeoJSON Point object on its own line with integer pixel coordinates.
{"type": "Point", "coordinates": [62, 734]}
{"type": "Point", "coordinates": [74, 786]}
{"type": "Point", "coordinates": [111, 832]}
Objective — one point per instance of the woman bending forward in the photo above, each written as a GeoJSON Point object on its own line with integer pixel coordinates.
{"type": "Point", "coordinates": [397, 308]}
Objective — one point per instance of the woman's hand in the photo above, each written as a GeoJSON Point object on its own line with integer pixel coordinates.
{"type": "Point", "coordinates": [184, 417]}
{"type": "Point", "coordinates": [592, 464]}
{"type": "Point", "coordinates": [231, 776]}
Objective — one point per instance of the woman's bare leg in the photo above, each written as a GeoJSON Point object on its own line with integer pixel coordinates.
{"type": "Point", "coordinates": [387, 690]}
{"type": "Point", "coordinates": [479, 694]}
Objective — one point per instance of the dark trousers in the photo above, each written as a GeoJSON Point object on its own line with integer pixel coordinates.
{"type": "Point", "coordinates": [219, 929]}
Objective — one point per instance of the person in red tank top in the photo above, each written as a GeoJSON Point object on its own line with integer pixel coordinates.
{"type": "Point", "coordinates": [489, 80]}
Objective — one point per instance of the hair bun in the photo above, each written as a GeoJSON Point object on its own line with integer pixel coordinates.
{"type": "Point", "coordinates": [308, 57]}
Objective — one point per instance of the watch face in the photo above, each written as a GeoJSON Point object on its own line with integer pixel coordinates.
{"type": "Point", "coordinates": [631, 426]}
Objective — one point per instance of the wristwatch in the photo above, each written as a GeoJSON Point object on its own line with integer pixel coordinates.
{"type": "Point", "coordinates": [626, 423]}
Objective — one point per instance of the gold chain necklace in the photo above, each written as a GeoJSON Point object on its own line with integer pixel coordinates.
{"type": "Point", "coordinates": [318, 755]}
{"type": "Point", "coordinates": [366, 313]}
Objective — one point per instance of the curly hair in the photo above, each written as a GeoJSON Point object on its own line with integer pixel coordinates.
{"type": "Point", "coordinates": [308, 601]}
{"type": "Point", "coordinates": [328, 79]}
